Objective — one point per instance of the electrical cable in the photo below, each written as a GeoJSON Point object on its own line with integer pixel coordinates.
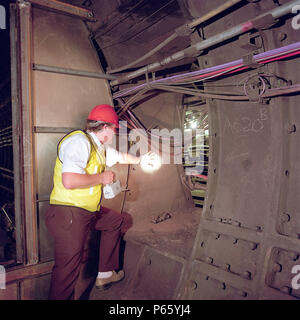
{"type": "Point", "coordinates": [140, 22]}
{"type": "Point", "coordinates": [173, 36]}
{"type": "Point", "coordinates": [216, 71]}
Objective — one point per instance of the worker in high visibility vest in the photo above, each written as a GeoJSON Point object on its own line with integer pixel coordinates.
{"type": "Point", "coordinates": [75, 203]}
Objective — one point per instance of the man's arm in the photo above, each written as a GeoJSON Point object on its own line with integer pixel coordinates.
{"type": "Point", "coordinates": [72, 180]}
{"type": "Point", "coordinates": [127, 158]}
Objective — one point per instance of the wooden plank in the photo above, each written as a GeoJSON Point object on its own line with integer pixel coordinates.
{"type": "Point", "coordinates": [20, 273]}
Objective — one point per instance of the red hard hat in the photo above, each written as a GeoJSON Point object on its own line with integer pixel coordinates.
{"type": "Point", "coordinates": [106, 113]}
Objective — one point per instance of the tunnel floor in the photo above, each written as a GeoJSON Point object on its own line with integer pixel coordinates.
{"type": "Point", "coordinates": [173, 237]}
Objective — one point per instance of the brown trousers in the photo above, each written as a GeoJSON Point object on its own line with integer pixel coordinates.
{"type": "Point", "coordinates": [69, 227]}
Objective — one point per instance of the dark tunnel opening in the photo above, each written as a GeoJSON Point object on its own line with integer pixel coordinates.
{"type": "Point", "coordinates": [7, 217]}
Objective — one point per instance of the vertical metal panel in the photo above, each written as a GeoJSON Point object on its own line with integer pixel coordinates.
{"type": "Point", "coordinates": [35, 288]}
{"type": "Point", "coordinates": [59, 100]}
{"type": "Point", "coordinates": [16, 131]}
{"type": "Point", "coordinates": [27, 136]}
{"type": "Point", "coordinates": [10, 293]}
{"type": "Point", "coordinates": [279, 275]}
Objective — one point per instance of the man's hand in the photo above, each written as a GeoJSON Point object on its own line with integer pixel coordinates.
{"type": "Point", "coordinates": [148, 159]}
{"type": "Point", "coordinates": [150, 162]}
{"type": "Point", "coordinates": [107, 177]}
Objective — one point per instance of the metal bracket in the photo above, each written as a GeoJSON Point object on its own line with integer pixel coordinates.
{"type": "Point", "coordinates": [249, 61]}
{"type": "Point", "coordinates": [183, 31]}
{"type": "Point", "coordinates": [191, 52]}
{"type": "Point", "coordinates": [251, 43]}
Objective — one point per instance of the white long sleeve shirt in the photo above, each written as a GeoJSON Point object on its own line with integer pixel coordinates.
{"type": "Point", "coordinates": [74, 153]}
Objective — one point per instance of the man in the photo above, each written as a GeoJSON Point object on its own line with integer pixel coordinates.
{"type": "Point", "coordinates": [75, 203]}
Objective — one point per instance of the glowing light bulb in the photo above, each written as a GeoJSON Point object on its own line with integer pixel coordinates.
{"type": "Point", "coordinates": [150, 162]}
{"type": "Point", "coordinates": [194, 124]}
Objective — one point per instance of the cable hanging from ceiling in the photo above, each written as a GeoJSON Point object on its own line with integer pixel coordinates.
{"type": "Point", "coordinates": [264, 20]}
{"type": "Point", "coordinates": [213, 72]}
{"type": "Point", "coordinates": [182, 30]}
{"type": "Point", "coordinates": [178, 83]}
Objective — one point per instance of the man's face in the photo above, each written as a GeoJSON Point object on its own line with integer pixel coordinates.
{"type": "Point", "coordinates": [107, 134]}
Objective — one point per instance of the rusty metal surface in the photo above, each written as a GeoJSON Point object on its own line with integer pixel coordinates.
{"type": "Point", "coordinates": [132, 256]}
{"type": "Point", "coordinates": [248, 237]}
{"type": "Point", "coordinates": [248, 193]}
{"type": "Point", "coordinates": [16, 132]}
{"type": "Point", "coordinates": [29, 206]}
{"type": "Point", "coordinates": [70, 39]}
{"type": "Point", "coordinates": [60, 101]}
{"type": "Point", "coordinates": [150, 275]}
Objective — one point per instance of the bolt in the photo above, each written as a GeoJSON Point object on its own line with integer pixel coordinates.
{"type": "Point", "coordinates": [285, 217]}
{"type": "Point", "coordinates": [286, 289]}
{"type": "Point", "coordinates": [242, 293]}
{"type": "Point", "coordinates": [227, 266]}
{"type": "Point", "coordinates": [193, 285]}
{"type": "Point", "coordinates": [236, 223]}
{"type": "Point", "coordinates": [217, 236]}
{"type": "Point", "coordinates": [281, 36]}
{"type": "Point", "coordinates": [292, 129]}
{"type": "Point", "coordinates": [210, 260]}
{"type": "Point", "coordinates": [277, 267]}
{"type": "Point", "coordinates": [294, 256]}
{"type": "Point", "coordinates": [287, 173]}
{"type": "Point", "coordinates": [253, 246]}
{"type": "Point", "coordinates": [247, 274]}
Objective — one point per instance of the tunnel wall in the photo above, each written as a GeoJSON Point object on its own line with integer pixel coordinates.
{"type": "Point", "coordinates": [247, 239]}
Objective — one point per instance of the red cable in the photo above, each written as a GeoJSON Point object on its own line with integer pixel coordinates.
{"type": "Point", "coordinates": [246, 67]}
{"type": "Point", "coordinates": [270, 60]}
{"type": "Point", "coordinates": [208, 74]}
{"type": "Point", "coordinates": [279, 57]}
{"type": "Point", "coordinates": [282, 57]}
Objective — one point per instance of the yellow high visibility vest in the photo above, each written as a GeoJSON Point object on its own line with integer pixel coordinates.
{"type": "Point", "coordinates": [86, 198]}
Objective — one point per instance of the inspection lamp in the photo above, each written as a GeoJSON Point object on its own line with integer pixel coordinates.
{"type": "Point", "coordinates": [150, 162]}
